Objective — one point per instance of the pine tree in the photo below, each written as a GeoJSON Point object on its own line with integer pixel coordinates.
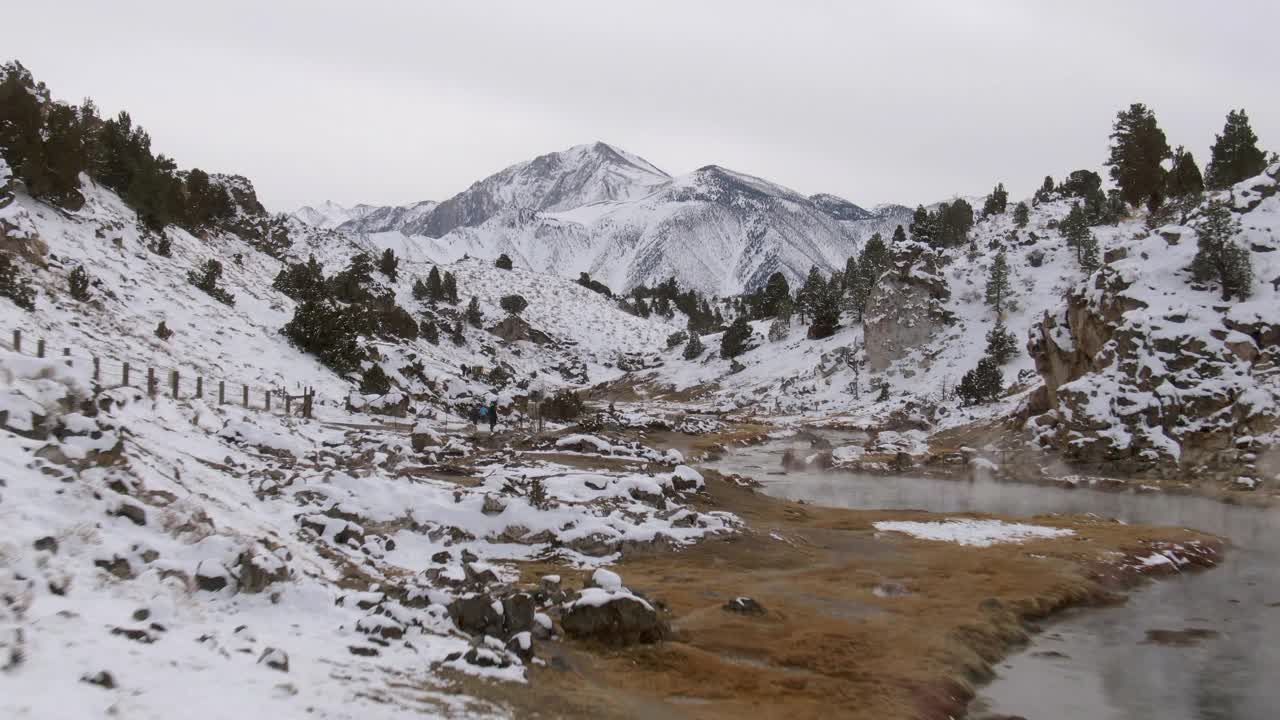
{"type": "Point", "coordinates": [1184, 175]}
{"type": "Point", "coordinates": [374, 381]}
{"type": "Point", "coordinates": [431, 332]}
{"type": "Point", "coordinates": [1046, 191]}
{"type": "Point", "coordinates": [693, 348]}
{"type": "Point", "coordinates": [78, 284]}
{"type": "Point", "coordinates": [899, 235]}
{"type": "Point", "coordinates": [825, 306]}
{"type": "Point", "coordinates": [1001, 345]}
{"type": "Point", "coordinates": [850, 273]}
{"type": "Point", "coordinates": [163, 332]}
{"type": "Point", "coordinates": [996, 202]}
{"type": "Point", "coordinates": [998, 283]}
{"type": "Point", "coordinates": [473, 315]}
{"type": "Point", "coordinates": [503, 262]}
{"type": "Point", "coordinates": [777, 296]}
{"type": "Point", "coordinates": [513, 304]}
{"type": "Point", "coordinates": [456, 334]}
{"type": "Point", "coordinates": [360, 268]}
{"type": "Point", "coordinates": [450, 288]}
{"type": "Point", "coordinates": [735, 339]}
{"type": "Point", "coordinates": [1075, 230]}
{"type": "Point", "coordinates": [922, 222]}
{"type": "Point", "coordinates": [420, 291]}
{"type": "Point", "coordinates": [435, 287]}
{"type": "Point", "coordinates": [328, 331]}
{"type": "Point", "coordinates": [206, 278]}
{"type": "Point", "coordinates": [42, 143]}
{"type": "Point", "coordinates": [1218, 257]}
{"type": "Point", "coordinates": [874, 258]}
{"type": "Point", "coordinates": [872, 263]}
{"type": "Point", "coordinates": [983, 384]}
{"type": "Point", "coordinates": [813, 285]}
{"type": "Point", "coordinates": [301, 281]}
{"type": "Point", "coordinates": [389, 264]}
{"type": "Point", "coordinates": [1235, 154]}
{"type": "Point", "coordinates": [952, 223]}
{"type": "Point", "coordinates": [1088, 253]}
{"type": "Point", "coordinates": [1237, 270]}
{"type": "Point", "coordinates": [1021, 215]}
{"type": "Point", "coordinates": [15, 285]}
{"type": "Point", "coordinates": [1138, 147]}
{"type": "Point", "coordinates": [779, 329]}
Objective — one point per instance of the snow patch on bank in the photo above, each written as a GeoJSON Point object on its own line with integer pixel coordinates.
{"type": "Point", "coordinates": [977, 533]}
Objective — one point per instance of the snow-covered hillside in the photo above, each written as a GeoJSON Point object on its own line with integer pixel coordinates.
{"type": "Point", "coordinates": [1132, 366]}
{"type": "Point", "coordinates": [597, 209]}
{"type": "Point", "coordinates": [133, 289]}
{"type": "Point", "coordinates": [163, 554]}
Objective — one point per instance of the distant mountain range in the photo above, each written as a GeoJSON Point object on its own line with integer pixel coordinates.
{"type": "Point", "coordinates": [598, 209]}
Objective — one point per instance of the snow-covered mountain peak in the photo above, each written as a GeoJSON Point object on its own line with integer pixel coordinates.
{"type": "Point", "coordinates": [597, 208]}
{"type": "Point", "coordinates": [713, 183]}
{"type": "Point", "coordinates": [839, 208]}
{"type": "Point", "coordinates": [604, 152]}
{"type": "Point", "coordinates": [329, 214]}
{"type": "Point", "coordinates": [558, 181]}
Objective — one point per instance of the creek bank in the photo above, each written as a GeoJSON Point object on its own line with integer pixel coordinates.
{"type": "Point", "coordinates": [828, 632]}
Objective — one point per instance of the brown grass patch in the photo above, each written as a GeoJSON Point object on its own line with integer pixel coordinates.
{"type": "Point", "coordinates": [829, 646]}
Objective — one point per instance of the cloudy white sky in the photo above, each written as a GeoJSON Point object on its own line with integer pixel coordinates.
{"type": "Point", "coordinates": [390, 102]}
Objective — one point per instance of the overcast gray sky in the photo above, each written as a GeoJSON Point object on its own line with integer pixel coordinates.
{"type": "Point", "coordinates": [391, 102]}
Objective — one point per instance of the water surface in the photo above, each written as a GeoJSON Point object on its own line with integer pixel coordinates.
{"type": "Point", "coordinates": [1097, 663]}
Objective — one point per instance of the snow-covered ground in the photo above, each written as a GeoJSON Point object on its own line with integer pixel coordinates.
{"type": "Point", "coordinates": [979, 533]}
{"type": "Point", "coordinates": [134, 289]}
{"type": "Point", "coordinates": [799, 380]}
{"type": "Point", "coordinates": [161, 554]}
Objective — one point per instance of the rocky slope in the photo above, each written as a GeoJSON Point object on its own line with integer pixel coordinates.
{"type": "Point", "coordinates": [1145, 372]}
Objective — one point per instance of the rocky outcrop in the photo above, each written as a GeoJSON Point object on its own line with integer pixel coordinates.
{"type": "Point", "coordinates": [613, 618]}
{"type": "Point", "coordinates": [513, 328]}
{"type": "Point", "coordinates": [906, 309]}
{"type": "Point", "coordinates": [1146, 376]}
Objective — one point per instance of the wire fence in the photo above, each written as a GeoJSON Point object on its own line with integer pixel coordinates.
{"type": "Point", "coordinates": [174, 382]}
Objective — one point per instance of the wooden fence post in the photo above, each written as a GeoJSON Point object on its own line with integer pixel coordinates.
{"type": "Point", "coordinates": [199, 387]}
{"type": "Point", "coordinates": [173, 381]}
{"type": "Point", "coordinates": [222, 392]}
{"type": "Point", "coordinates": [266, 400]}
{"type": "Point", "coordinates": [40, 348]}
{"type": "Point", "coordinates": [17, 341]}
{"type": "Point", "coordinates": [151, 381]}
{"type": "Point", "coordinates": [66, 353]}
{"type": "Point", "coordinates": [246, 395]}
{"type": "Point", "coordinates": [306, 405]}
{"type": "Point", "coordinates": [97, 369]}
{"type": "Point", "coordinates": [288, 404]}
{"type": "Point", "coordinates": [124, 375]}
